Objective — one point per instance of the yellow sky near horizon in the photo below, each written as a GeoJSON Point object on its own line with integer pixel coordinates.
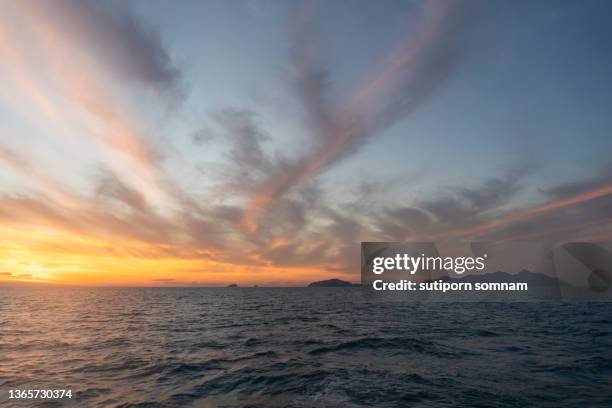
{"type": "Point", "coordinates": [58, 257]}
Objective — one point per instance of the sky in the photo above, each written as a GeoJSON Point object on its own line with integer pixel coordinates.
{"type": "Point", "coordinates": [162, 143]}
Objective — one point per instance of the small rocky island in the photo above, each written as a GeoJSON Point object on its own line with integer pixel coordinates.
{"type": "Point", "coordinates": [332, 283]}
{"type": "Point", "coordinates": [232, 285]}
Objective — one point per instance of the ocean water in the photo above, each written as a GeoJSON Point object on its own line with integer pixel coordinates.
{"type": "Point", "coordinates": [302, 347]}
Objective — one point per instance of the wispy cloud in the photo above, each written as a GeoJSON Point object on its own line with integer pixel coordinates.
{"type": "Point", "coordinates": [80, 64]}
{"type": "Point", "coordinates": [106, 37]}
{"type": "Point", "coordinates": [410, 75]}
{"type": "Point", "coordinates": [86, 49]}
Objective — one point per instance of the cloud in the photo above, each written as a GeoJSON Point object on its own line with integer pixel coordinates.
{"type": "Point", "coordinates": [416, 69]}
{"type": "Point", "coordinates": [409, 78]}
{"type": "Point", "coordinates": [442, 214]}
{"type": "Point", "coordinates": [271, 211]}
{"type": "Point", "coordinates": [202, 136]}
{"type": "Point", "coordinates": [111, 37]}
{"type": "Point", "coordinates": [91, 221]}
{"type": "Point", "coordinates": [23, 167]}
{"type": "Point", "coordinates": [568, 210]}
{"type": "Point", "coordinates": [479, 213]}
{"type": "Point", "coordinates": [6, 274]}
{"type": "Point", "coordinates": [14, 160]}
{"type": "Point", "coordinates": [296, 255]}
{"type": "Point", "coordinates": [306, 229]}
{"type": "Point", "coordinates": [411, 74]}
{"type": "Point", "coordinates": [110, 186]}
{"type": "Point", "coordinates": [567, 189]}
{"type": "Point", "coordinates": [245, 136]}
{"type": "Point", "coordinates": [93, 55]}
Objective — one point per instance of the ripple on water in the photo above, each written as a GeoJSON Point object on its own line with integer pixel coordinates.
{"type": "Point", "coordinates": [194, 347]}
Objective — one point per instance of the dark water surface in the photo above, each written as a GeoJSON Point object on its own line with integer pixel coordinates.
{"type": "Point", "coordinates": [259, 347]}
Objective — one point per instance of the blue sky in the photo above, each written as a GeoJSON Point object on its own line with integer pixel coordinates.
{"type": "Point", "coordinates": [530, 88]}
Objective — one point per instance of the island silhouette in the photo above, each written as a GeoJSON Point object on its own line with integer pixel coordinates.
{"type": "Point", "coordinates": [332, 283]}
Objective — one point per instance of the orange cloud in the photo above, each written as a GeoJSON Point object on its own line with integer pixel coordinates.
{"type": "Point", "coordinates": [80, 75]}
{"type": "Point", "coordinates": [529, 213]}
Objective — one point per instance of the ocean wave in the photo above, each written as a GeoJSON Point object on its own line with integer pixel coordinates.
{"type": "Point", "coordinates": [210, 348]}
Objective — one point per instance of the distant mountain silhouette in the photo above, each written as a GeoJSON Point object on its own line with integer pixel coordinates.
{"type": "Point", "coordinates": [331, 283]}
{"type": "Point", "coordinates": [533, 279]}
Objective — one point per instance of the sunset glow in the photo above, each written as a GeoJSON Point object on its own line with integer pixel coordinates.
{"type": "Point", "coordinates": [135, 151]}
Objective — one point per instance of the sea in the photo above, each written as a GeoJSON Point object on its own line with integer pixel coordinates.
{"type": "Point", "coordinates": [298, 347]}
